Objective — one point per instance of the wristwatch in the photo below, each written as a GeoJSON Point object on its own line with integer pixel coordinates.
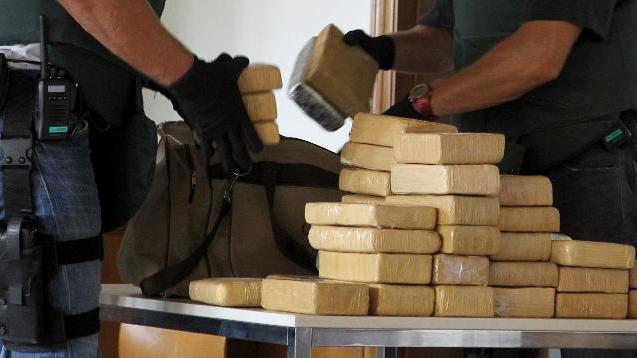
{"type": "Point", "coordinates": [420, 98]}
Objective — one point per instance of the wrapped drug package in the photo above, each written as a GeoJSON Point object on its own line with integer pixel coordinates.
{"type": "Point", "coordinates": [445, 179]}
{"type": "Point", "coordinates": [469, 240]}
{"type": "Point", "coordinates": [455, 209]}
{"type": "Point", "coordinates": [367, 156]}
{"type": "Point", "coordinates": [362, 199]}
{"type": "Point", "coordinates": [531, 302]}
{"type": "Point", "coordinates": [261, 107]}
{"type": "Point", "coordinates": [268, 132]}
{"type": "Point", "coordinates": [449, 148]}
{"type": "Point", "coordinates": [591, 305]}
{"type": "Point", "coordinates": [369, 215]}
{"type": "Point", "coordinates": [523, 274]}
{"type": "Point", "coordinates": [464, 301]}
{"type": "Point", "coordinates": [314, 296]}
{"type": "Point", "coordinates": [366, 182]}
{"type": "Point", "coordinates": [530, 219]}
{"type": "Point", "coordinates": [375, 268]}
{"type": "Point", "coordinates": [593, 254]}
{"type": "Point", "coordinates": [373, 240]}
{"type": "Point", "coordinates": [381, 130]}
{"type": "Point", "coordinates": [401, 300]}
{"type": "Point", "coordinates": [227, 292]}
{"type": "Point", "coordinates": [523, 191]}
{"type": "Point", "coordinates": [524, 247]}
{"type": "Point", "coordinates": [460, 270]}
{"type": "Point", "coordinates": [260, 78]}
{"type": "Point", "coordinates": [592, 280]}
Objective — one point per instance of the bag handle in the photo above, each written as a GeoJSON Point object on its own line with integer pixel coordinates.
{"type": "Point", "coordinates": [290, 248]}
{"type": "Point", "coordinates": [172, 275]}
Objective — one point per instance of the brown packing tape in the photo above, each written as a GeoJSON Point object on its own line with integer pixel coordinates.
{"type": "Point", "coordinates": [368, 182]}
{"type": "Point", "coordinates": [449, 148]}
{"type": "Point", "coordinates": [362, 199]}
{"type": "Point", "coordinates": [583, 279]}
{"type": "Point", "coordinates": [591, 305]}
{"type": "Point", "coordinates": [445, 179]}
{"type": "Point", "coordinates": [369, 215]}
{"type": "Point", "coordinates": [261, 107]}
{"type": "Point", "coordinates": [455, 209]}
{"type": "Point", "coordinates": [344, 75]}
{"type": "Point", "coordinates": [464, 301]}
{"type": "Point", "coordinates": [368, 157]}
{"type": "Point", "coordinates": [633, 277]}
{"type": "Point", "coordinates": [460, 270]}
{"type": "Point", "coordinates": [529, 219]}
{"type": "Point", "coordinates": [260, 78]}
{"type": "Point", "coordinates": [268, 132]}
{"type": "Point", "coordinates": [381, 130]}
{"type": "Point", "coordinates": [469, 240]}
{"type": "Point", "coordinates": [632, 304]}
{"type": "Point", "coordinates": [228, 292]}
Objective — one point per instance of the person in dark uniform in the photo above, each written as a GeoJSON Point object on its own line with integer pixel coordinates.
{"type": "Point", "coordinates": [557, 77]}
{"type": "Point", "coordinates": [96, 179]}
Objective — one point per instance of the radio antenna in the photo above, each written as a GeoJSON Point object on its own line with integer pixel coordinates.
{"type": "Point", "coordinates": [44, 51]}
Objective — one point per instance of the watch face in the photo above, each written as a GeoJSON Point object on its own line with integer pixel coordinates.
{"type": "Point", "coordinates": [419, 91]}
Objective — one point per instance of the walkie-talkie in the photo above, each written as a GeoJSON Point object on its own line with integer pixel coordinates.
{"type": "Point", "coordinates": [55, 119]}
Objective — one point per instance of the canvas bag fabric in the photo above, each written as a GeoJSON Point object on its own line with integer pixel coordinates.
{"type": "Point", "coordinates": [264, 232]}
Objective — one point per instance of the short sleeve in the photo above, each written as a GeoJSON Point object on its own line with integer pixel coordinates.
{"type": "Point", "coordinates": [593, 15]}
{"type": "Point", "coordinates": [440, 15]}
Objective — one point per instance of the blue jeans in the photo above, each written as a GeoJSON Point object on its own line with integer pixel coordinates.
{"type": "Point", "coordinates": [67, 207]}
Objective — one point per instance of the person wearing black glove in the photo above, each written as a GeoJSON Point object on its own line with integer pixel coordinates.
{"type": "Point", "coordinates": [381, 48]}
{"type": "Point", "coordinates": [208, 99]}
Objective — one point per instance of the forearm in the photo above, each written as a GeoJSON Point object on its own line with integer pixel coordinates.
{"type": "Point", "coordinates": [517, 65]}
{"type": "Point", "coordinates": [424, 49]}
{"type": "Point", "coordinates": [131, 30]}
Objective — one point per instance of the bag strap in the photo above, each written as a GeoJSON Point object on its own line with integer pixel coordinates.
{"type": "Point", "coordinates": [290, 248]}
{"type": "Point", "coordinates": [172, 275]}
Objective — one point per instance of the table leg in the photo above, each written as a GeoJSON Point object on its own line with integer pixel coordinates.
{"type": "Point", "coordinates": [300, 343]}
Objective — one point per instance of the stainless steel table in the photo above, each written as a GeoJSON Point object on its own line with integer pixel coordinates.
{"type": "Point", "coordinates": [123, 303]}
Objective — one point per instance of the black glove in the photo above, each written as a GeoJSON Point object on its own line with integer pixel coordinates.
{"type": "Point", "coordinates": [381, 48]}
{"type": "Point", "coordinates": [208, 99]}
{"type": "Point", "coordinates": [405, 109]}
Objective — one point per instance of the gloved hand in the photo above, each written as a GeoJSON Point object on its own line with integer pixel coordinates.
{"type": "Point", "coordinates": [381, 48]}
{"type": "Point", "coordinates": [405, 109]}
{"type": "Point", "coordinates": [208, 99]}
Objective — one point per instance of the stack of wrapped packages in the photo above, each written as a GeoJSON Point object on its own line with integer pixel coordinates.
{"type": "Point", "coordinates": [369, 156]}
{"type": "Point", "coordinates": [593, 279]}
{"type": "Point", "coordinates": [456, 174]}
{"type": "Point", "coordinates": [256, 85]}
{"type": "Point", "coordinates": [525, 279]}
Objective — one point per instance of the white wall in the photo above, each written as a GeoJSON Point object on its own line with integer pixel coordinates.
{"type": "Point", "coordinates": [269, 31]}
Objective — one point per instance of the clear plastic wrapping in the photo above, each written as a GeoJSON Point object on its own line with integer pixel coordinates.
{"type": "Point", "coordinates": [371, 240]}
{"type": "Point", "coordinates": [469, 240]}
{"type": "Point", "coordinates": [308, 99]}
{"type": "Point", "coordinates": [524, 247]}
{"type": "Point", "coordinates": [367, 156]}
{"type": "Point", "coordinates": [591, 305]}
{"type": "Point", "coordinates": [401, 300]}
{"type": "Point", "coordinates": [362, 181]}
{"type": "Point", "coordinates": [592, 280]}
{"type": "Point", "coordinates": [525, 191]}
{"type": "Point", "coordinates": [260, 78]}
{"type": "Point", "coordinates": [593, 254]}
{"type": "Point", "coordinates": [268, 132]}
{"type": "Point", "coordinates": [445, 179]}
{"type": "Point", "coordinates": [460, 270]}
{"type": "Point", "coordinates": [370, 215]}
{"type": "Point", "coordinates": [314, 296]}
{"type": "Point", "coordinates": [381, 130]}
{"type": "Point", "coordinates": [455, 209]}
{"type": "Point", "coordinates": [375, 268]}
{"type": "Point", "coordinates": [228, 292]}
{"type": "Point", "coordinates": [530, 219]}
{"type": "Point", "coordinates": [261, 107]}
{"type": "Point", "coordinates": [464, 301]}
{"type": "Point", "coordinates": [523, 274]}
{"type": "Point", "coordinates": [525, 302]}
{"type": "Point", "coordinates": [362, 199]}
{"type": "Point", "coordinates": [445, 148]}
